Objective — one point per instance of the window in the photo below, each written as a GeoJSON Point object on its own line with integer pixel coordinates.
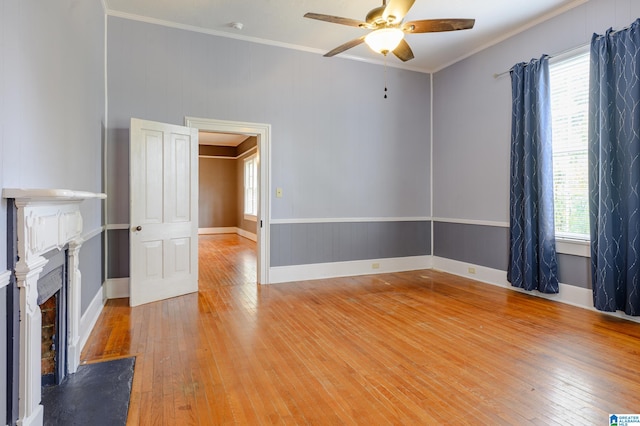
{"type": "Point", "coordinates": [251, 187]}
{"type": "Point", "coordinates": [569, 82]}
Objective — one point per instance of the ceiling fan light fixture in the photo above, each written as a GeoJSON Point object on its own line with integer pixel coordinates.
{"type": "Point", "coordinates": [384, 40]}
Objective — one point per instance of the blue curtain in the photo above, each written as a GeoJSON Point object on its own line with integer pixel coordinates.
{"type": "Point", "coordinates": [614, 169]}
{"type": "Point", "coordinates": [532, 256]}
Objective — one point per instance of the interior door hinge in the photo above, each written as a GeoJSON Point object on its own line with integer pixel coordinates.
{"type": "Point", "coordinates": [260, 223]}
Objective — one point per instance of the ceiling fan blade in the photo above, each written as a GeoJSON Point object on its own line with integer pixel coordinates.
{"type": "Point", "coordinates": [437, 25]}
{"type": "Point", "coordinates": [346, 46]}
{"type": "Point", "coordinates": [403, 51]}
{"type": "Point", "coordinates": [398, 9]}
{"type": "Point", "coordinates": [336, 20]}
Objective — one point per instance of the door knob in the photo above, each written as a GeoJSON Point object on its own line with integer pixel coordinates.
{"type": "Point", "coordinates": [138, 228]}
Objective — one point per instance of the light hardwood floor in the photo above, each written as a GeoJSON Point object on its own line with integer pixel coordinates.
{"type": "Point", "coordinates": [419, 347]}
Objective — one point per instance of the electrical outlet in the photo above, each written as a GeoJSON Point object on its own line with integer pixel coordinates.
{"type": "Point", "coordinates": [375, 266]}
{"type": "Point", "coordinates": [471, 270]}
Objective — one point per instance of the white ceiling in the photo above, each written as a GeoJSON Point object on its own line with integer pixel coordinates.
{"type": "Point", "coordinates": [281, 22]}
{"type": "Point", "coordinates": [220, 139]}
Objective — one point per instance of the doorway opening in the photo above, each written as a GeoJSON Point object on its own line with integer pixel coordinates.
{"type": "Point", "coordinates": [260, 133]}
{"type": "Point", "coordinates": [228, 193]}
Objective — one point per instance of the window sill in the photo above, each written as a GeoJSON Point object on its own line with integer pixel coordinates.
{"type": "Point", "coordinates": [250, 217]}
{"type": "Point", "coordinates": [573, 247]}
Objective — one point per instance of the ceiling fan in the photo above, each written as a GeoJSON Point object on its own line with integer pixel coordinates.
{"type": "Point", "coordinates": [389, 30]}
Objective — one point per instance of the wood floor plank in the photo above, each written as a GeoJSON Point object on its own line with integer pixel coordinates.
{"type": "Point", "coordinates": [420, 347]}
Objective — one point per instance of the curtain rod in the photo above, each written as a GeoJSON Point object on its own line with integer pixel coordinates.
{"type": "Point", "coordinates": [610, 31]}
{"type": "Point", "coordinates": [582, 46]}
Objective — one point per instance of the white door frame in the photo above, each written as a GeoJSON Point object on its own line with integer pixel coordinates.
{"type": "Point", "coordinates": [263, 134]}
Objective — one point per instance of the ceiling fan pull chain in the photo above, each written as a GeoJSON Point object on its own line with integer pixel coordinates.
{"type": "Point", "coordinates": [385, 76]}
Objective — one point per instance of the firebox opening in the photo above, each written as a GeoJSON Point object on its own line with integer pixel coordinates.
{"type": "Point", "coordinates": [52, 292]}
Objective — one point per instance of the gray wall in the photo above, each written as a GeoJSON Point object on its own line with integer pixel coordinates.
{"type": "Point", "coordinates": [339, 150]}
{"type": "Point", "coordinates": [472, 123]}
{"type": "Point", "coordinates": [308, 243]}
{"type": "Point", "coordinates": [91, 270]}
{"type": "Point", "coordinates": [118, 253]}
{"type": "Point", "coordinates": [51, 110]}
{"type": "Point", "coordinates": [489, 246]}
{"type": "Point", "coordinates": [478, 245]}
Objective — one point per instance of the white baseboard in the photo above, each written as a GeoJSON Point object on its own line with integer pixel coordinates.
{"type": "Point", "coordinates": [482, 273]}
{"type": "Point", "coordinates": [115, 288]}
{"type": "Point", "coordinates": [569, 294]}
{"type": "Point", "coordinates": [90, 317]}
{"type": "Point", "coordinates": [36, 418]}
{"type": "Point", "coordinates": [226, 230]}
{"type": "Point", "coordinates": [248, 235]}
{"type": "Point", "coordinates": [119, 287]}
{"type": "Point", "coordinates": [281, 274]}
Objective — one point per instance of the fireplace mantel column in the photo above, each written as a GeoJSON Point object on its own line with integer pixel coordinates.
{"type": "Point", "coordinates": [74, 306]}
{"type": "Point", "coordinates": [27, 274]}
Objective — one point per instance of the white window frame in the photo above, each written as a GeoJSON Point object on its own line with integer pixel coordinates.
{"type": "Point", "coordinates": [251, 162]}
{"type": "Point", "coordinates": [569, 244]}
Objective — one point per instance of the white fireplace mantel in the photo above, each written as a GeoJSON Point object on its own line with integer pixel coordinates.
{"type": "Point", "coordinates": [43, 195]}
{"type": "Point", "coordinates": [47, 219]}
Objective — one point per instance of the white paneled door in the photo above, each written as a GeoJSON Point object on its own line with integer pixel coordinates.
{"type": "Point", "coordinates": [163, 211]}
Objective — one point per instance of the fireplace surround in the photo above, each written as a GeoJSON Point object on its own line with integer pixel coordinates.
{"type": "Point", "coordinates": [45, 220]}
